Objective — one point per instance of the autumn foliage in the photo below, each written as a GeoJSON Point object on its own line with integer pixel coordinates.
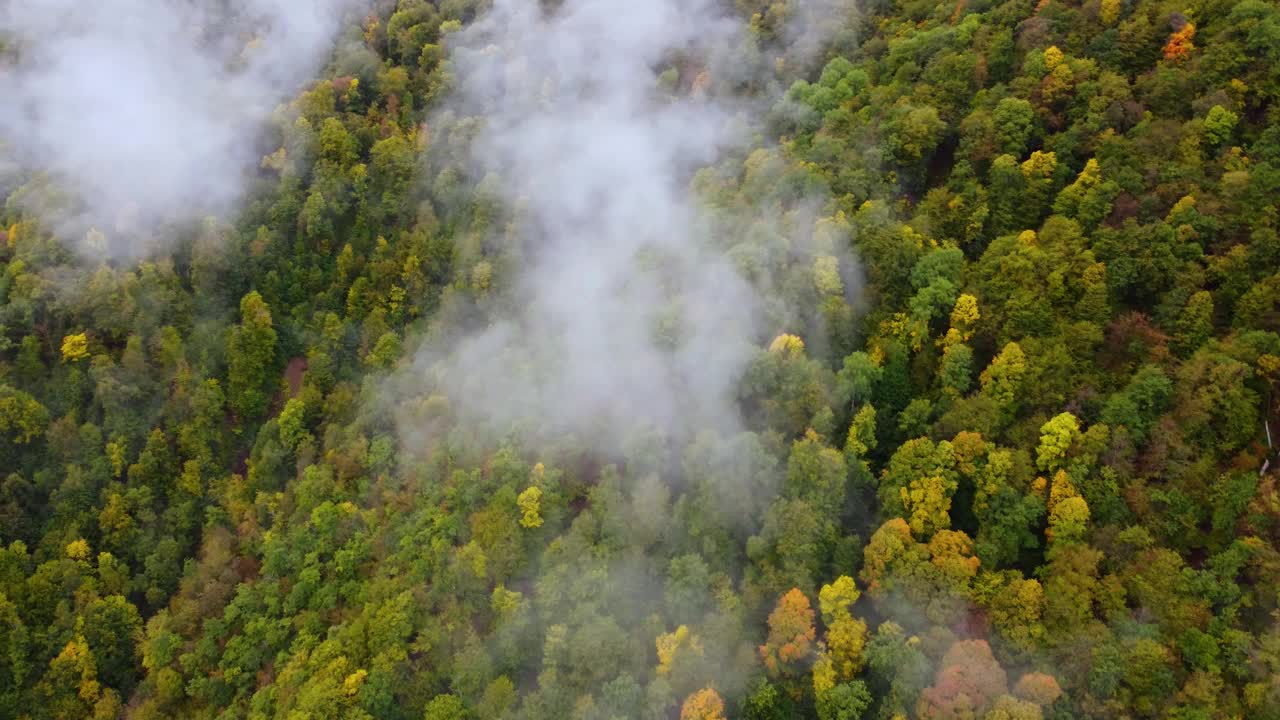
{"type": "Point", "coordinates": [1180, 42]}
{"type": "Point", "coordinates": [791, 634]}
{"type": "Point", "coordinates": [967, 684]}
{"type": "Point", "coordinates": [706, 704]}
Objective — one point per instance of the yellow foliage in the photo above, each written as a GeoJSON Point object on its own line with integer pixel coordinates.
{"type": "Point", "coordinates": [78, 550]}
{"type": "Point", "coordinates": [77, 658]}
{"type": "Point", "coordinates": [846, 641]}
{"type": "Point", "coordinates": [395, 298]}
{"type": "Point", "coordinates": [189, 481]}
{"type": "Point", "coordinates": [1185, 203]}
{"type": "Point", "coordinates": [952, 552]}
{"type": "Point", "coordinates": [1255, 694]}
{"type": "Point", "coordinates": [1068, 520]}
{"type": "Point", "coordinates": [473, 556]}
{"type": "Point", "coordinates": [75, 347]}
{"type": "Point", "coordinates": [824, 675]}
{"type": "Point", "coordinates": [1039, 484]}
{"type": "Point", "coordinates": [965, 315]}
{"type": "Point", "coordinates": [108, 706]}
{"type": "Point", "coordinates": [787, 344]}
{"type": "Point", "coordinates": [668, 644]}
{"type": "Point", "coordinates": [351, 685]}
{"type": "Point", "coordinates": [352, 90]}
{"type": "Point", "coordinates": [829, 232]}
{"type": "Point", "coordinates": [834, 599]}
{"type": "Point", "coordinates": [1269, 365]}
{"type": "Point", "coordinates": [1057, 437]}
{"type": "Point", "coordinates": [530, 502]}
{"type": "Point", "coordinates": [1109, 11]}
{"type": "Point", "coordinates": [371, 26]}
{"type": "Point", "coordinates": [1089, 177]}
{"type": "Point", "coordinates": [928, 505]}
{"type": "Point", "coordinates": [1052, 57]}
{"type": "Point", "coordinates": [504, 602]}
{"type": "Point", "coordinates": [1061, 489]}
{"type": "Point", "coordinates": [877, 354]}
{"type": "Point", "coordinates": [890, 540]}
{"type": "Point", "coordinates": [1008, 707]}
{"type": "Point", "coordinates": [903, 328]}
{"type": "Point", "coordinates": [1016, 611]}
{"type": "Point", "coordinates": [278, 160]}
{"type": "Point", "coordinates": [1058, 84]}
{"type": "Point", "coordinates": [1040, 165]}
{"type": "Point", "coordinates": [861, 438]}
{"type": "Point", "coordinates": [115, 453]}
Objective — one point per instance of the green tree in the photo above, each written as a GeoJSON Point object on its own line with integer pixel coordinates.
{"type": "Point", "coordinates": [846, 701]}
{"type": "Point", "coordinates": [22, 417]}
{"type": "Point", "coordinates": [1219, 124]}
{"type": "Point", "coordinates": [113, 631]}
{"type": "Point", "coordinates": [1002, 380]}
{"type": "Point", "coordinates": [251, 359]}
{"type": "Point", "coordinates": [1015, 123]}
{"type": "Point", "coordinates": [1057, 437]}
{"type": "Point", "coordinates": [1195, 324]}
{"type": "Point", "coordinates": [445, 707]}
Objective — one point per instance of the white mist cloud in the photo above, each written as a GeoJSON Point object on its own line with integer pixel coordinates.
{"type": "Point", "coordinates": [627, 315]}
{"type": "Point", "coordinates": [149, 110]}
{"type": "Point", "coordinates": [813, 24]}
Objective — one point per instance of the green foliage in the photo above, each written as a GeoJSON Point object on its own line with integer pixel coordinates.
{"type": "Point", "coordinates": [1032, 418]}
{"type": "Point", "coordinates": [445, 707]}
{"type": "Point", "coordinates": [251, 358]}
{"type": "Point", "coordinates": [846, 701]}
{"type": "Point", "coordinates": [22, 417]}
{"type": "Point", "coordinates": [1219, 124]}
{"type": "Point", "coordinates": [1057, 436]}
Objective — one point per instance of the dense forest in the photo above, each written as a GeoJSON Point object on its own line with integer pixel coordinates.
{"type": "Point", "coordinates": [600, 360]}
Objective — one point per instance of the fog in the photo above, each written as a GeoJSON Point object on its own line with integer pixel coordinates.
{"type": "Point", "coordinates": [628, 311]}
{"type": "Point", "coordinates": [147, 112]}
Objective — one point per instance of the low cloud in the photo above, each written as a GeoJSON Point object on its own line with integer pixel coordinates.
{"type": "Point", "coordinates": [146, 112]}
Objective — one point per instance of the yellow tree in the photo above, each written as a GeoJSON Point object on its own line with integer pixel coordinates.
{"type": "Point", "coordinates": [705, 704]}
{"type": "Point", "coordinates": [530, 503]}
{"type": "Point", "coordinates": [846, 635]}
{"type": "Point", "coordinates": [1068, 521]}
{"type": "Point", "coordinates": [927, 502]}
{"type": "Point", "coordinates": [669, 645]}
{"type": "Point", "coordinates": [1002, 380]}
{"type": "Point", "coordinates": [965, 316]}
{"type": "Point", "coordinates": [75, 347]}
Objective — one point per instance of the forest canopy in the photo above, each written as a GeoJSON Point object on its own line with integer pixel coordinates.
{"type": "Point", "coordinates": [490, 359]}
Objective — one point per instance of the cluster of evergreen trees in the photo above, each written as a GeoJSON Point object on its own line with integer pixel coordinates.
{"type": "Point", "coordinates": [1030, 478]}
